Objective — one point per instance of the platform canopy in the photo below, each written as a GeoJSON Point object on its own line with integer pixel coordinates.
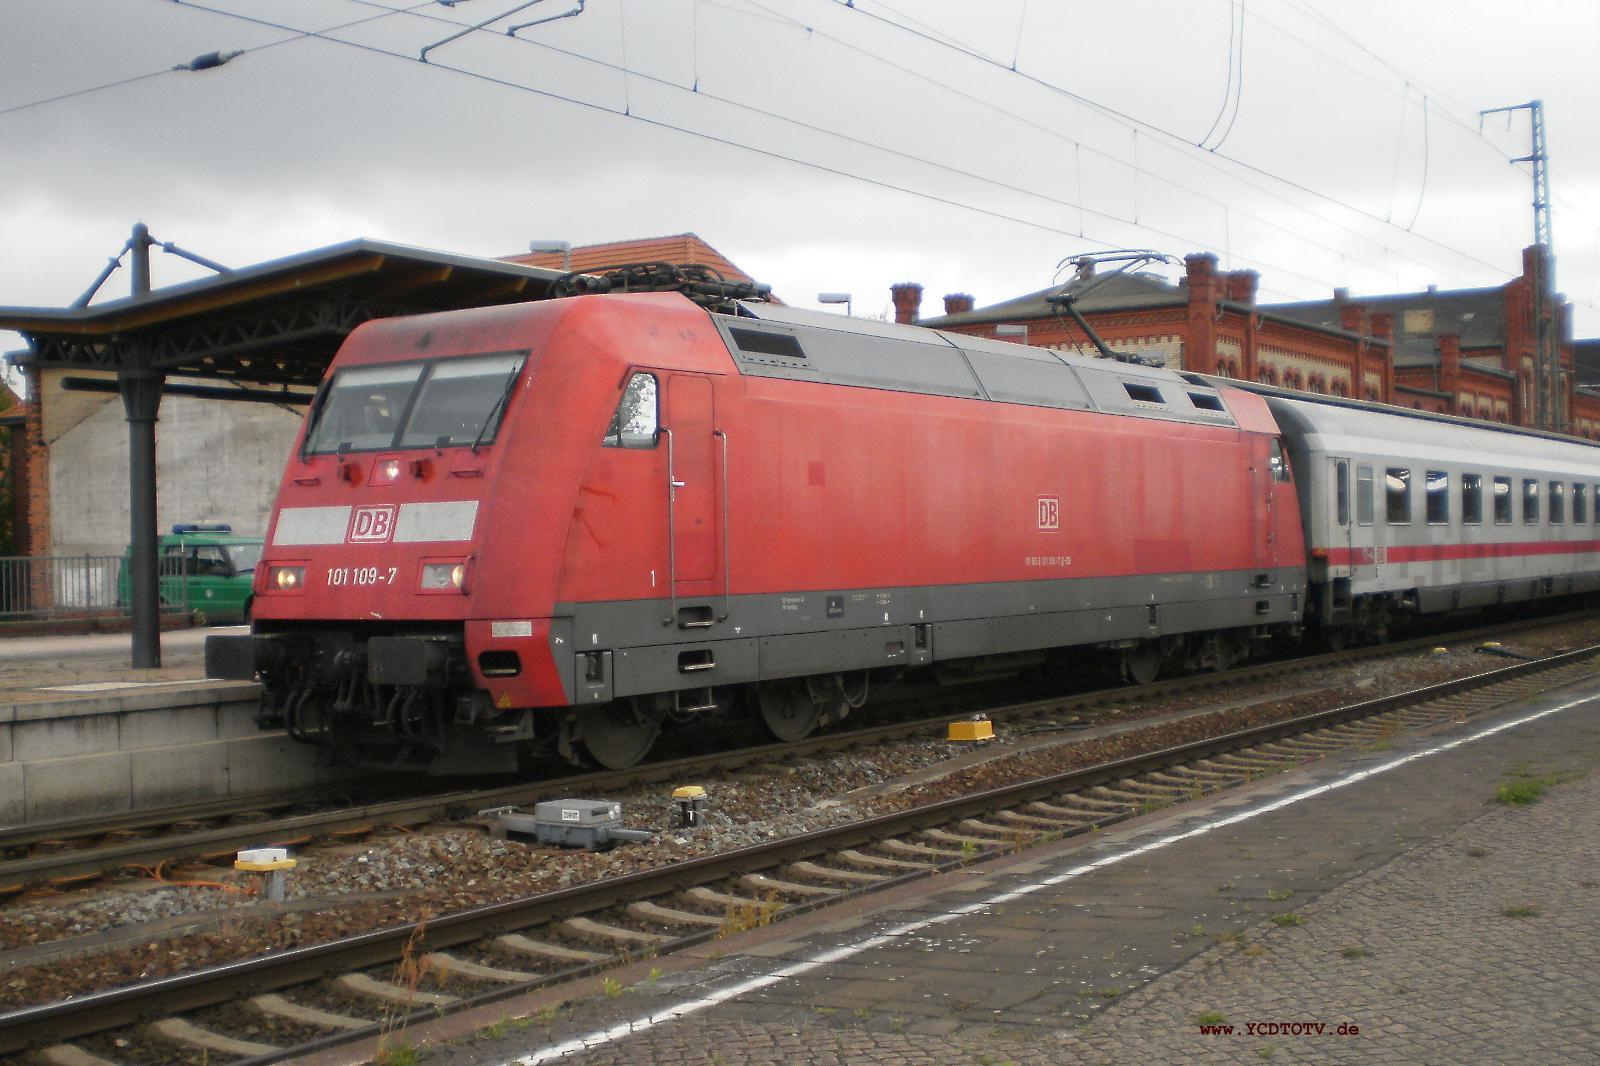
{"type": "Point", "coordinates": [273, 324]}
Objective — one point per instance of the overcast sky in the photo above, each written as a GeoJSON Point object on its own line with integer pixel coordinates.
{"type": "Point", "coordinates": [967, 146]}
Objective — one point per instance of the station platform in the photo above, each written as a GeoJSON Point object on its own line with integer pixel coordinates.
{"type": "Point", "coordinates": [1379, 906]}
{"type": "Point", "coordinates": [58, 669]}
{"type": "Point", "coordinates": [82, 733]}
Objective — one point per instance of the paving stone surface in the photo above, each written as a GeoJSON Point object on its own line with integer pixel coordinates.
{"type": "Point", "coordinates": [1444, 926]}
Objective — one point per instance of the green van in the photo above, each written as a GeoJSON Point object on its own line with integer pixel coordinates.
{"type": "Point", "coordinates": [203, 568]}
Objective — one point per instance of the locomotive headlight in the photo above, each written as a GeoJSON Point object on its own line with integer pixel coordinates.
{"type": "Point", "coordinates": [386, 470]}
{"type": "Point", "coordinates": [288, 578]}
{"type": "Point", "coordinates": [444, 577]}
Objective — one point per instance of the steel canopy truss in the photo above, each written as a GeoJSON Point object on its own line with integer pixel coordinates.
{"type": "Point", "coordinates": [289, 345]}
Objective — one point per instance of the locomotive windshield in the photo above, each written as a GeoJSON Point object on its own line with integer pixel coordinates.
{"type": "Point", "coordinates": [436, 404]}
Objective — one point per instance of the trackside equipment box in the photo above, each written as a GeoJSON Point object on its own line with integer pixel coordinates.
{"type": "Point", "coordinates": [574, 823]}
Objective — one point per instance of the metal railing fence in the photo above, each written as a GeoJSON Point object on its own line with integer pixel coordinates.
{"type": "Point", "coordinates": [48, 586]}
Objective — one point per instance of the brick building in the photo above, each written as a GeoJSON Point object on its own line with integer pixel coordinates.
{"type": "Point", "coordinates": [678, 248]}
{"type": "Point", "coordinates": [1467, 352]}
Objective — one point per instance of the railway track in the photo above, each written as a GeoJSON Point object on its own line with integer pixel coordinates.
{"type": "Point", "coordinates": [331, 993]}
{"type": "Point", "coordinates": [71, 853]}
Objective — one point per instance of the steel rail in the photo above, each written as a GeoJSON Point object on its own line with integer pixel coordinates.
{"type": "Point", "coordinates": [409, 811]}
{"type": "Point", "coordinates": [97, 1012]}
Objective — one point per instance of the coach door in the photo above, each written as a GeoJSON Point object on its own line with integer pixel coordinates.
{"type": "Point", "coordinates": [1360, 534]}
{"type": "Point", "coordinates": [694, 496]}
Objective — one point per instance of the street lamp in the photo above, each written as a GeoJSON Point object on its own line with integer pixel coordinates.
{"type": "Point", "coordinates": [564, 248]}
{"type": "Point", "coordinates": [835, 298]}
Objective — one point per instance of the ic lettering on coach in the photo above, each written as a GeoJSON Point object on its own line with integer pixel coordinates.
{"type": "Point", "coordinates": [1049, 513]}
{"type": "Point", "coordinates": [371, 525]}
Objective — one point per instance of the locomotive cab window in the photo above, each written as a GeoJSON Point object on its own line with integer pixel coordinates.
{"type": "Point", "coordinates": [1530, 501]}
{"type": "Point", "coordinates": [1558, 502]}
{"type": "Point", "coordinates": [636, 421]}
{"type": "Point", "coordinates": [1397, 495]}
{"type": "Point", "coordinates": [462, 401]}
{"type": "Point", "coordinates": [1471, 499]}
{"type": "Point", "coordinates": [455, 401]}
{"type": "Point", "coordinates": [362, 408]}
{"type": "Point", "coordinates": [1502, 501]}
{"type": "Point", "coordinates": [1437, 487]}
{"type": "Point", "coordinates": [1580, 503]}
{"type": "Point", "coordinates": [1364, 506]}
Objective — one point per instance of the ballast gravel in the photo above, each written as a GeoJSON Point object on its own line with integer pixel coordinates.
{"type": "Point", "coordinates": [114, 933]}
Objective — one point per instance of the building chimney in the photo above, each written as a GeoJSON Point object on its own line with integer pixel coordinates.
{"type": "Point", "coordinates": [1350, 317]}
{"type": "Point", "coordinates": [1341, 296]}
{"type": "Point", "coordinates": [957, 302]}
{"type": "Point", "coordinates": [1530, 261]}
{"type": "Point", "coordinates": [1450, 365]}
{"type": "Point", "coordinates": [1382, 324]}
{"type": "Point", "coordinates": [1241, 286]}
{"type": "Point", "coordinates": [907, 298]}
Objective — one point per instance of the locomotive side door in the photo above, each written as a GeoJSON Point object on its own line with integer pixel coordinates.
{"type": "Point", "coordinates": [1268, 474]}
{"type": "Point", "coordinates": [693, 491]}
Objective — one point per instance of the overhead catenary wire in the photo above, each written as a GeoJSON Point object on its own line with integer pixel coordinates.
{"type": "Point", "coordinates": [1422, 189]}
{"type": "Point", "coordinates": [845, 172]}
{"type": "Point", "coordinates": [837, 171]}
{"type": "Point", "coordinates": [1238, 86]}
{"type": "Point", "coordinates": [944, 85]}
{"type": "Point", "coordinates": [1170, 135]}
{"type": "Point", "coordinates": [1227, 89]}
{"type": "Point", "coordinates": [1279, 268]}
{"type": "Point", "coordinates": [300, 34]}
{"type": "Point", "coordinates": [879, 147]}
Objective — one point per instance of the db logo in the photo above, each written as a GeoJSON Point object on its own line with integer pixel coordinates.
{"type": "Point", "coordinates": [1049, 513]}
{"type": "Point", "coordinates": [371, 525]}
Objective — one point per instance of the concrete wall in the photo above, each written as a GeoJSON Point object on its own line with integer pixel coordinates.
{"type": "Point", "coordinates": [143, 750]}
{"type": "Point", "coordinates": [215, 462]}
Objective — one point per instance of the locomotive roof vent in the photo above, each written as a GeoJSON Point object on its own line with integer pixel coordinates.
{"type": "Point", "coordinates": [760, 342]}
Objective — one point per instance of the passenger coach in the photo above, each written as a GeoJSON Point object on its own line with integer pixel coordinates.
{"type": "Point", "coordinates": [1415, 514]}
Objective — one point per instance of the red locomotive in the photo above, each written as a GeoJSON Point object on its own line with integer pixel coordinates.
{"type": "Point", "coordinates": [572, 522]}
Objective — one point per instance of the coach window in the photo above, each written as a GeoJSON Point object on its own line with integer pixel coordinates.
{"type": "Point", "coordinates": [1580, 503]}
{"type": "Point", "coordinates": [1438, 490]}
{"type": "Point", "coordinates": [1471, 499]}
{"type": "Point", "coordinates": [634, 425]}
{"type": "Point", "coordinates": [1502, 501]}
{"type": "Point", "coordinates": [1530, 501]}
{"type": "Point", "coordinates": [1558, 502]}
{"type": "Point", "coordinates": [1397, 482]}
{"type": "Point", "coordinates": [1364, 495]}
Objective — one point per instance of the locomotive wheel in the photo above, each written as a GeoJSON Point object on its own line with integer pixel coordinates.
{"type": "Point", "coordinates": [618, 734]}
{"type": "Point", "coordinates": [787, 710]}
{"type": "Point", "coordinates": [1140, 665]}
